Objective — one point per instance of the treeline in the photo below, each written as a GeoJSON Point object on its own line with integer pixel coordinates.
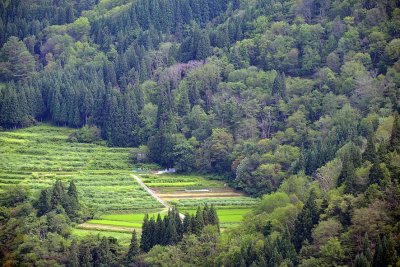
{"type": "Point", "coordinates": [170, 229]}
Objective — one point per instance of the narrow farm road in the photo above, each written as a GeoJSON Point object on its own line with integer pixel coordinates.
{"type": "Point", "coordinates": [151, 192]}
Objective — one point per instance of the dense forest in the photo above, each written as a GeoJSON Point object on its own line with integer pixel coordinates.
{"type": "Point", "coordinates": [295, 102]}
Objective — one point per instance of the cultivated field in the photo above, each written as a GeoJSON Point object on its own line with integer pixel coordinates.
{"type": "Point", "coordinates": [35, 157]}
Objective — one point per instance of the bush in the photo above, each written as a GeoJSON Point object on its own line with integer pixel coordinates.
{"type": "Point", "coordinates": [87, 134]}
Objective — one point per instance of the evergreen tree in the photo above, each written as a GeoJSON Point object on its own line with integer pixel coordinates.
{"type": "Point", "coordinates": [133, 249]}
{"type": "Point", "coordinates": [370, 151]}
{"type": "Point", "coordinates": [375, 174]}
{"type": "Point", "coordinates": [348, 176]}
{"type": "Point", "coordinates": [171, 233]}
{"type": "Point", "coordinates": [73, 202]}
{"type": "Point", "coordinates": [187, 226]}
{"type": "Point", "coordinates": [85, 256]}
{"type": "Point", "coordinates": [58, 195]}
{"type": "Point", "coordinates": [395, 136]}
{"type": "Point", "coordinates": [305, 221]}
{"type": "Point", "coordinates": [73, 255]}
{"type": "Point", "coordinates": [43, 205]}
{"type": "Point", "coordinates": [379, 260]}
{"type": "Point", "coordinates": [213, 216]}
{"type": "Point", "coordinates": [152, 232]}
{"type": "Point", "coordinates": [279, 86]}
{"type": "Point", "coordinates": [365, 248]}
{"type": "Point", "coordinates": [145, 241]}
{"type": "Point", "coordinates": [198, 222]}
{"type": "Point", "coordinates": [361, 261]}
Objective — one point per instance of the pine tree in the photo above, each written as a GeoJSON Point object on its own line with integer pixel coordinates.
{"type": "Point", "coordinates": [370, 151]}
{"type": "Point", "coordinates": [73, 202]}
{"type": "Point", "coordinates": [187, 226]}
{"type": "Point", "coordinates": [389, 251]}
{"type": "Point", "coordinates": [361, 261]}
{"type": "Point", "coordinates": [133, 249]}
{"type": "Point", "coordinates": [73, 255]}
{"type": "Point", "coordinates": [159, 230]}
{"type": "Point", "coordinates": [152, 232]}
{"type": "Point", "coordinates": [279, 86]}
{"type": "Point", "coordinates": [213, 217]}
{"type": "Point", "coordinates": [305, 221]}
{"type": "Point", "coordinates": [145, 241]}
{"type": "Point", "coordinates": [379, 260]}
{"type": "Point", "coordinates": [85, 256]}
{"type": "Point", "coordinates": [171, 234]}
{"type": "Point", "coordinates": [348, 176]}
{"type": "Point", "coordinates": [199, 221]}
{"type": "Point", "coordinates": [375, 174]}
{"type": "Point", "coordinates": [395, 136]}
{"type": "Point", "coordinates": [44, 205]}
{"type": "Point", "coordinates": [58, 195]}
{"type": "Point", "coordinates": [206, 217]}
{"type": "Point", "coordinates": [365, 248]}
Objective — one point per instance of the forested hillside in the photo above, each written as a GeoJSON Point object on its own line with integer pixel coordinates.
{"type": "Point", "coordinates": [295, 102]}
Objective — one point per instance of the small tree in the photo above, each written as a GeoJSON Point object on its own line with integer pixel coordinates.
{"type": "Point", "coordinates": [133, 248]}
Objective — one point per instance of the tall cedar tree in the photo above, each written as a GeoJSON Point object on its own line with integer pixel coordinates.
{"type": "Point", "coordinates": [305, 221]}
{"type": "Point", "coordinates": [395, 136]}
{"type": "Point", "coordinates": [133, 249]}
{"type": "Point", "coordinates": [370, 151]}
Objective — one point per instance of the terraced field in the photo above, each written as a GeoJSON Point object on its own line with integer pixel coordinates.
{"type": "Point", "coordinates": [186, 191]}
{"type": "Point", "coordinates": [34, 157]}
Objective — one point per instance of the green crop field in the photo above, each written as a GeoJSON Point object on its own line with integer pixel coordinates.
{"type": "Point", "coordinates": [173, 180]}
{"type": "Point", "coordinates": [228, 217]}
{"type": "Point", "coordinates": [36, 156]}
{"type": "Point", "coordinates": [123, 238]}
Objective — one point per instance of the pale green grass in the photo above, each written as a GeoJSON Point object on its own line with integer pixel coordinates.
{"type": "Point", "coordinates": [123, 238]}
{"type": "Point", "coordinates": [36, 156]}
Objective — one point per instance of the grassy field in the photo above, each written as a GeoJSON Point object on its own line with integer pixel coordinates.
{"type": "Point", "coordinates": [123, 238]}
{"type": "Point", "coordinates": [36, 156]}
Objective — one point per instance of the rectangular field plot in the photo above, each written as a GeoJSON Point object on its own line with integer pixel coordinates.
{"type": "Point", "coordinates": [36, 156]}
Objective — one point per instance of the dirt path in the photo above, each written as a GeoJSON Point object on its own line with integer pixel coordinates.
{"type": "Point", "coordinates": [104, 227]}
{"type": "Point", "coordinates": [154, 194]}
{"type": "Point", "coordinates": [151, 192]}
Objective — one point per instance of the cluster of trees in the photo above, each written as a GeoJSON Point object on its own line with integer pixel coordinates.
{"type": "Point", "coordinates": [59, 199]}
{"type": "Point", "coordinates": [170, 229]}
{"type": "Point", "coordinates": [277, 96]}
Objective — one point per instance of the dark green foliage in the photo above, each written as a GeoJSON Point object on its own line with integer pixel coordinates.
{"type": "Point", "coordinates": [305, 221]}
{"type": "Point", "coordinates": [133, 249]}
{"type": "Point", "coordinates": [375, 174]}
{"type": "Point", "coordinates": [43, 205]}
{"type": "Point", "coordinates": [361, 261]}
{"type": "Point", "coordinates": [73, 255]}
{"type": "Point", "coordinates": [370, 151]}
{"type": "Point", "coordinates": [395, 136]}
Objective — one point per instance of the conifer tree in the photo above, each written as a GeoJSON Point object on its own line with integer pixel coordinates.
{"type": "Point", "coordinates": [361, 261]}
{"type": "Point", "coordinates": [305, 221]}
{"type": "Point", "coordinates": [171, 233]}
{"type": "Point", "coordinates": [375, 174]}
{"type": "Point", "coordinates": [395, 136]}
{"type": "Point", "coordinates": [85, 256]}
{"type": "Point", "coordinates": [366, 249]}
{"type": "Point", "coordinates": [348, 176]}
{"type": "Point", "coordinates": [73, 255]}
{"type": "Point", "coordinates": [145, 241]}
{"type": "Point", "coordinates": [73, 202]}
{"type": "Point", "coordinates": [44, 205]}
{"type": "Point", "coordinates": [370, 151]}
{"type": "Point", "coordinates": [133, 248]}
{"type": "Point", "coordinates": [187, 225]}
{"type": "Point", "coordinates": [58, 195]}
{"type": "Point", "coordinates": [199, 221]}
{"type": "Point", "coordinates": [279, 86]}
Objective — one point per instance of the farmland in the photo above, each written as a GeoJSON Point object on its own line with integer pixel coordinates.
{"type": "Point", "coordinates": [35, 157]}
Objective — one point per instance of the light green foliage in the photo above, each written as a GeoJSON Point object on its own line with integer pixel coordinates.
{"type": "Point", "coordinates": [39, 155]}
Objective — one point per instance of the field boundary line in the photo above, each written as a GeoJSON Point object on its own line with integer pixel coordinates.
{"type": "Point", "coordinates": [151, 192]}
